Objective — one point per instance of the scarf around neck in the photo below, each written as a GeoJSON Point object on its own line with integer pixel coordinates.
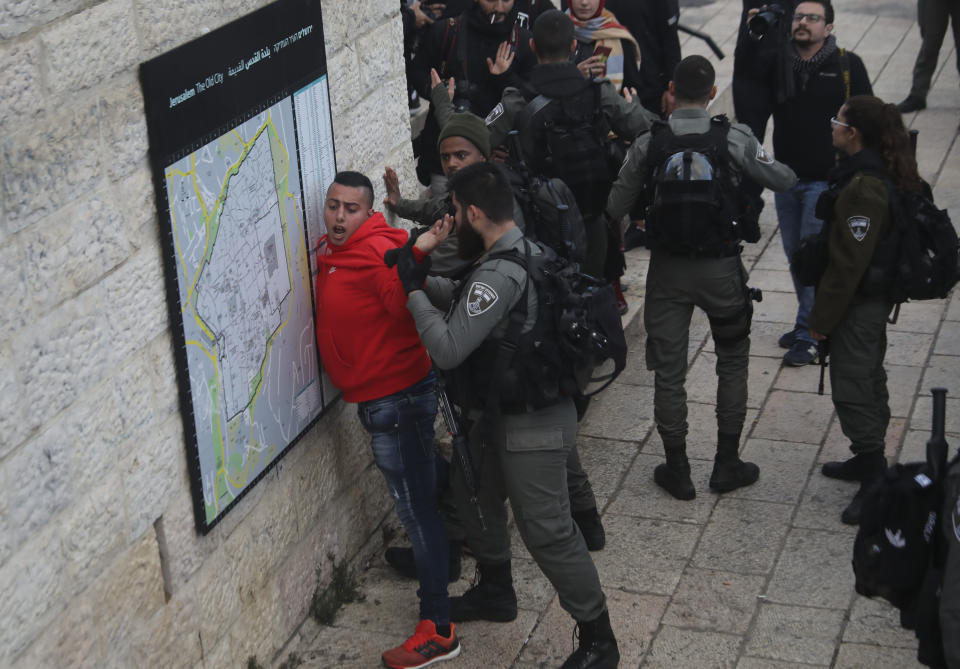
{"type": "Point", "coordinates": [604, 31]}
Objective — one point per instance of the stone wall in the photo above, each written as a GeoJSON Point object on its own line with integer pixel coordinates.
{"type": "Point", "coordinates": [100, 564]}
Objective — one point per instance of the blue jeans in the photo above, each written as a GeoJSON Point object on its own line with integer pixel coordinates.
{"type": "Point", "coordinates": [796, 212]}
{"type": "Point", "coordinates": [401, 427]}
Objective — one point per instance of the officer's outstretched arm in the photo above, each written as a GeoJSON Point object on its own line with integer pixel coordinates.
{"type": "Point", "coordinates": [756, 163]}
{"type": "Point", "coordinates": [626, 189]}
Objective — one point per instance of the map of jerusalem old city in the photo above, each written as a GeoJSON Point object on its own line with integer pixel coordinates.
{"type": "Point", "coordinates": [242, 152]}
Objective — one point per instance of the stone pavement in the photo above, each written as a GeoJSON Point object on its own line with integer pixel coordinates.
{"type": "Point", "coordinates": [758, 578]}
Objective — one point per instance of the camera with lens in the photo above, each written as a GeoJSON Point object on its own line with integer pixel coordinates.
{"type": "Point", "coordinates": [761, 22]}
{"type": "Point", "coordinates": [462, 93]}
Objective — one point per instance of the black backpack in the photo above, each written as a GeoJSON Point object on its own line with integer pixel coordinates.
{"type": "Point", "coordinates": [571, 136]}
{"type": "Point", "coordinates": [576, 347]}
{"type": "Point", "coordinates": [692, 196]}
{"type": "Point", "coordinates": [550, 212]}
{"type": "Point", "coordinates": [917, 259]}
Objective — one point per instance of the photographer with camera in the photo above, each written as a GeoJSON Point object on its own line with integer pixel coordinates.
{"type": "Point", "coordinates": [484, 50]}
{"type": "Point", "coordinates": [822, 77]}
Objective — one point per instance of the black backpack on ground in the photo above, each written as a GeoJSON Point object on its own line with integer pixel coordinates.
{"type": "Point", "coordinates": [898, 553]}
{"type": "Point", "coordinates": [571, 136]}
{"type": "Point", "coordinates": [575, 348]}
{"type": "Point", "coordinates": [692, 198]}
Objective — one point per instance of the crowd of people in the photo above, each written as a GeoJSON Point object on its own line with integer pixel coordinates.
{"type": "Point", "coordinates": [596, 95]}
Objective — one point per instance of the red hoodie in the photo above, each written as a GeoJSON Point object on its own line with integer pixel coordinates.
{"type": "Point", "coordinates": [368, 341]}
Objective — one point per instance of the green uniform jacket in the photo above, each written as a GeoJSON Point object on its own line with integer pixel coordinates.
{"type": "Point", "coordinates": [747, 156]}
{"type": "Point", "coordinates": [861, 218]}
{"type": "Point", "coordinates": [451, 334]}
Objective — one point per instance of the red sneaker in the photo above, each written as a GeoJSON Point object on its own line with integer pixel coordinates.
{"type": "Point", "coordinates": [423, 648]}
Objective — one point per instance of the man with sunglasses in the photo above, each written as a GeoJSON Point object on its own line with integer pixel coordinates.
{"type": "Point", "coordinates": [823, 77]}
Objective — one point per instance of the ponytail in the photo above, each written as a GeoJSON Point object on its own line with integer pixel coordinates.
{"type": "Point", "coordinates": [881, 129]}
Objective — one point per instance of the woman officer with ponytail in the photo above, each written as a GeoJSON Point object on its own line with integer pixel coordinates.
{"type": "Point", "coordinates": [874, 156]}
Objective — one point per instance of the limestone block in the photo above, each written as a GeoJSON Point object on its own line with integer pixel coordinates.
{"type": "Point", "coordinates": [140, 207]}
{"type": "Point", "coordinates": [167, 24]}
{"type": "Point", "coordinates": [60, 355]}
{"type": "Point", "coordinates": [186, 549]}
{"type": "Point", "coordinates": [31, 588]}
{"type": "Point", "coordinates": [20, 83]}
{"type": "Point", "coordinates": [160, 353]}
{"type": "Point", "coordinates": [124, 127]}
{"type": "Point", "coordinates": [217, 585]}
{"type": "Point", "coordinates": [378, 61]}
{"type": "Point", "coordinates": [150, 472]}
{"type": "Point", "coordinates": [236, 8]}
{"type": "Point", "coordinates": [19, 16]}
{"type": "Point", "coordinates": [71, 640]}
{"type": "Point", "coordinates": [169, 639]}
{"type": "Point", "coordinates": [297, 578]}
{"type": "Point", "coordinates": [91, 47]}
{"type": "Point", "coordinates": [315, 481]}
{"type": "Point", "coordinates": [343, 73]}
{"type": "Point", "coordinates": [13, 427]}
{"type": "Point", "coordinates": [128, 594]}
{"type": "Point", "coordinates": [73, 249]}
{"type": "Point", "coordinates": [48, 163]}
{"type": "Point", "coordinates": [93, 531]}
{"type": "Point", "coordinates": [39, 476]}
{"type": "Point", "coordinates": [256, 633]}
{"type": "Point", "coordinates": [134, 300]}
{"type": "Point", "coordinates": [339, 24]}
{"type": "Point", "coordinates": [15, 307]}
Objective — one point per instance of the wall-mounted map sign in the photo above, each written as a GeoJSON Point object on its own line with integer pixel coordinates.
{"type": "Point", "coordinates": [241, 146]}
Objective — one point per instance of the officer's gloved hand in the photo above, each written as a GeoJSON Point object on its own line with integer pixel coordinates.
{"type": "Point", "coordinates": [412, 273]}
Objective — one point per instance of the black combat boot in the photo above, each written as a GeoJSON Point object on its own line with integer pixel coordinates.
{"type": "Point", "coordinates": [598, 647]}
{"type": "Point", "coordinates": [861, 467]}
{"type": "Point", "coordinates": [402, 561]}
{"type": "Point", "coordinates": [591, 528]}
{"type": "Point", "coordinates": [491, 597]}
{"type": "Point", "coordinates": [674, 475]}
{"type": "Point", "coordinates": [729, 471]}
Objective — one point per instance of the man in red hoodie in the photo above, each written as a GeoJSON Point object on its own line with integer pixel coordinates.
{"type": "Point", "coordinates": [370, 348]}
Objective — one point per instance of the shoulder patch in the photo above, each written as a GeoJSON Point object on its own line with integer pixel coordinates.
{"type": "Point", "coordinates": [494, 114]}
{"type": "Point", "coordinates": [763, 156]}
{"type": "Point", "coordinates": [858, 227]}
{"type": "Point", "coordinates": [480, 298]}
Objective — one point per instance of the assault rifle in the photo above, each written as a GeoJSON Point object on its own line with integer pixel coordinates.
{"type": "Point", "coordinates": [460, 450]}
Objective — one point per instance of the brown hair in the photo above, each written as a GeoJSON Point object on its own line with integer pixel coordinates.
{"type": "Point", "coordinates": [881, 129]}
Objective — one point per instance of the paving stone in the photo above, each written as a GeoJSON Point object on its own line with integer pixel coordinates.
{"type": "Point", "coordinates": [922, 415]}
{"type": "Point", "coordinates": [858, 656]}
{"type": "Point", "coordinates": [772, 280]}
{"type": "Point", "coordinates": [795, 634]}
{"type": "Point", "coordinates": [784, 468]}
{"type": "Point", "coordinates": [948, 341]}
{"type": "Point", "coordinates": [922, 317]}
{"type": "Point", "coordinates": [763, 340]}
{"type": "Point", "coordinates": [941, 372]}
{"type": "Point", "coordinates": [873, 619]}
{"type": "Point", "coordinates": [908, 348]}
{"type": "Point", "coordinates": [813, 570]}
{"type": "Point", "coordinates": [823, 501]}
{"type": "Point", "coordinates": [644, 555]}
{"type": "Point", "coordinates": [634, 619]}
{"type": "Point", "coordinates": [755, 663]}
{"type": "Point", "coordinates": [606, 462]}
{"type": "Point", "coordinates": [620, 412]}
{"type": "Point", "coordinates": [776, 308]}
{"type": "Point", "coordinates": [714, 600]}
{"type": "Point", "coordinates": [674, 647]}
{"type": "Point", "coordinates": [804, 379]}
{"type": "Point", "coordinates": [640, 496]}
{"type": "Point", "coordinates": [789, 416]}
{"type": "Point", "coordinates": [902, 387]}
{"type": "Point", "coordinates": [743, 536]}
{"type": "Point", "coordinates": [636, 372]}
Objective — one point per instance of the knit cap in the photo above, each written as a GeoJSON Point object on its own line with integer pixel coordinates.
{"type": "Point", "coordinates": [470, 127]}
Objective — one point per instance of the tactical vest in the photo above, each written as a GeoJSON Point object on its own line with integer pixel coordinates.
{"type": "Point", "coordinates": [692, 194]}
